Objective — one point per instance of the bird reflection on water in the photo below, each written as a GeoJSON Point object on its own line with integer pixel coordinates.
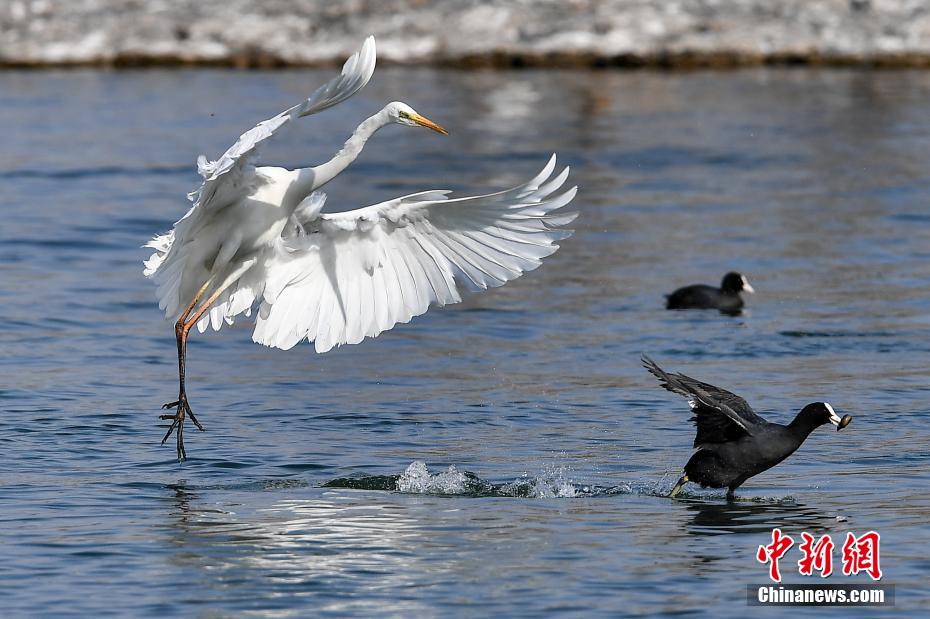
{"type": "Point", "coordinates": [753, 516]}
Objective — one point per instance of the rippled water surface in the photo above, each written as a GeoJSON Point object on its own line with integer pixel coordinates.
{"type": "Point", "coordinates": [816, 184]}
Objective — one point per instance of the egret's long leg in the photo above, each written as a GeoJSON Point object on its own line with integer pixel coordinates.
{"type": "Point", "coordinates": [182, 347]}
{"type": "Point", "coordinates": [182, 330]}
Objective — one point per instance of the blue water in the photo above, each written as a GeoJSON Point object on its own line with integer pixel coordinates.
{"type": "Point", "coordinates": [815, 184]}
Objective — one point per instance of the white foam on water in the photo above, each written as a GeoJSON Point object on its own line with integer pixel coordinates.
{"type": "Point", "coordinates": [550, 485]}
{"type": "Point", "coordinates": [553, 483]}
{"type": "Point", "coordinates": [417, 479]}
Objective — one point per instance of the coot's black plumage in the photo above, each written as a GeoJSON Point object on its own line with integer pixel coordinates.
{"type": "Point", "coordinates": [701, 296]}
{"type": "Point", "coordinates": [733, 442]}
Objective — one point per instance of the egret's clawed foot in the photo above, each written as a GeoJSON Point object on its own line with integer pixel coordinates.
{"type": "Point", "coordinates": [177, 422]}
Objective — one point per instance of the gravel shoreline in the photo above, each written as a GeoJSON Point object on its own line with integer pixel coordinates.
{"type": "Point", "coordinates": [471, 33]}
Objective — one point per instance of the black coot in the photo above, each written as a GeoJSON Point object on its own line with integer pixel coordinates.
{"type": "Point", "coordinates": [701, 296]}
{"type": "Point", "coordinates": [733, 443]}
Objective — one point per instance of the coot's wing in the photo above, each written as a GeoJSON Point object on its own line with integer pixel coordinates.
{"type": "Point", "coordinates": [719, 415]}
{"type": "Point", "coordinates": [697, 296]}
{"type": "Point", "coordinates": [732, 401]}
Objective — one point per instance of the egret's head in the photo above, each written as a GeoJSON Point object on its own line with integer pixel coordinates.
{"type": "Point", "coordinates": [403, 114]}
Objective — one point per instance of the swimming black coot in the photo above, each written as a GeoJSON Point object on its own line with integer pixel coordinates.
{"type": "Point", "coordinates": [733, 442]}
{"type": "Point", "coordinates": [701, 296]}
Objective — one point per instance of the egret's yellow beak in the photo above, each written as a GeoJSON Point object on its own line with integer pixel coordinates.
{"type": "Point", "coordinates": [426, 122]}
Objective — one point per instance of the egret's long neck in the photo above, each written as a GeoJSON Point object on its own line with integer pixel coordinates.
{"type": "Point", "coordinates": [309, 179]}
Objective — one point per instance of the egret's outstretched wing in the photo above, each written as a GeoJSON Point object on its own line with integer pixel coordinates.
{"type": "Point", "coordinates": [229, 178]}
{"type": "Point", "coordinates": [341, 277]}
{"type": "Point", "coordinates": [223, 180]}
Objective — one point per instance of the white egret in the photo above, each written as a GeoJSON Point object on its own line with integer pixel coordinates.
{"type": "Point", "coordinates": [256, 238]}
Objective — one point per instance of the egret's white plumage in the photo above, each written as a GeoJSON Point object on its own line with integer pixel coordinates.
{"type": "Point", "coordinates": [256, 238]}
{"type": "Point", "coordinates": [341, 277]}
{"type": "Point", "coordinates": [228, 182]}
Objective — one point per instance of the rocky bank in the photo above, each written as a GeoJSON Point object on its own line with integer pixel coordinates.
{"type": "Point", "coordinates": [255, 33]}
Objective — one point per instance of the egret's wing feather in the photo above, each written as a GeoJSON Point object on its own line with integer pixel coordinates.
{"type": "Point", "coordinates": [352, 275]}
{"type": "Point", "coordinates": [356, 72]}
{"type": "Point", "coordinates": [245, 286]}
{"type": "Point", "coordinates": [223, 178]}
{"type": "Point", "coordinates": [229, 178]}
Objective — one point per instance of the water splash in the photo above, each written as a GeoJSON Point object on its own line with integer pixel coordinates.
{"type": "Point", "coordinates": [418, 480]}
{"type": "Point", "coordinates": [551, 484]}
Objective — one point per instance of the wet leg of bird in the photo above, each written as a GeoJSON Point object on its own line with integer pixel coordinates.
{"type": "Point", "coordinates": [677, 488]}
{"type": "Point", "coordinates": [731, 496]}
{"type": "Point", "coordinates": [177, 423]}
{"type": "Point", "coordinates": [181, 404]}
{"type": "Point", "coordinates": [183, 409]}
